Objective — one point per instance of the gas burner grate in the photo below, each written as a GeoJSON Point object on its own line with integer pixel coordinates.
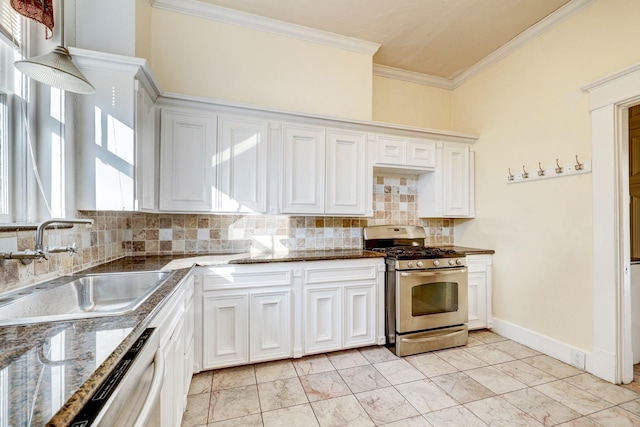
{"type": "Point", "coordinates": [415, 251]}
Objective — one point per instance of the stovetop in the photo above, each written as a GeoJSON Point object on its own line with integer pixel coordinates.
{"type": "Point", "coordinates": [416, 252]}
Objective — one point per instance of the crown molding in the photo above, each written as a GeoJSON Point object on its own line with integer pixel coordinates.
{"type": "Point", "coordinates": [516, 43]}
{"type": "Point", "coordinates": [521, 39]}
{"type": "Point", "coordinates": [255, 22]}
{"type": "Point", "coordinates": [412, 76]}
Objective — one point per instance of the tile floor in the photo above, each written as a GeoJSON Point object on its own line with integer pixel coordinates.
{"type": "Point", "coordinates": [491, 381]}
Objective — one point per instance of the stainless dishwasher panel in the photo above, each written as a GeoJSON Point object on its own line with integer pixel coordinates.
{"type": "Point", "coordinates": [130, 395]}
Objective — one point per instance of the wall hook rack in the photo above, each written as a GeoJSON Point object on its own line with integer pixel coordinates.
{"type": "Point", "coordinates": [557, 171]}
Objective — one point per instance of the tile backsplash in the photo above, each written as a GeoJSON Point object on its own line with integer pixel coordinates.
{"type": "Point", "coordinates": [117, 234]}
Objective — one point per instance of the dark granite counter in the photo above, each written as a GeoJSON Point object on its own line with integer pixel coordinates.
{"type": "Point", "coordinates": [471, 251]}
{"type": "Point", "coordinates": [53, 368]}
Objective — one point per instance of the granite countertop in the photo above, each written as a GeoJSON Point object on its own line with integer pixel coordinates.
{"type": "Point", "coordinates": [471, 251]}
{"type": "Point", "coordinates": [53, 368]}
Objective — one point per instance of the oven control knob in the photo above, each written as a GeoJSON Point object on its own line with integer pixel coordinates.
{"type": "Point", "coordinates": [459, 261]}
{"type": "Point", "coordinates": [410, 264]}
{"type": "Point", "coordinates": [452, 262]}
{"type": "Point", "coordinates": [436, 263]}
{"type": "Point", "coordinates": [420, 264]}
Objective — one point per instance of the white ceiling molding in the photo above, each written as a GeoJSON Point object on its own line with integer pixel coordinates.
{"type": "Point", "coordinates": [523, 38]}
{"type": "Point", "coordinates": [412, 76]}
{"type": "Point", "coordinates": [255, 22]}
{"type": "Point", "coordinates": [516, 43]}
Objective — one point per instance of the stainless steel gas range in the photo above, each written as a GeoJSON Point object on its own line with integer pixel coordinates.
{"type": "Point", "coordinates": [426, 290]}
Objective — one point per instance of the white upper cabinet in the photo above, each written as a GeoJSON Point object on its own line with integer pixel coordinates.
{"type": "Point", "coordinates": [401, 154]}
{"type": "Point", "coordinates": [187, 147]}
{"type": "Point", "coordinates": [324, 171]}
{"type": "Point", "coordinates": [241, 165]}
{"type": "Point", "coordinates": [346, 170]}
{"type": "Point", "coordinates": [304, 169]}
{"type": "Point", "coordinates": [448, 192]}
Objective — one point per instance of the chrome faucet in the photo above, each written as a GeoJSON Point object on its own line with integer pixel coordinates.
{"type": "Point", "coordinates": [40, 252]}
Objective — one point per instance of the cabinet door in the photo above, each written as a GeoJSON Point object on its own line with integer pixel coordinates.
{"type": "Point", "coordinates": [359, 315]}
{"type": "Point", "coordinates": [324, 320]}
{"type": "Point", "coordinates": [477, 300]}
{"type": "Point", "coordinates": [270, 326]}
{"type": "Point", "coordinates": [456, 180]}
{"type": "Point", "coordinates": [241, 165]}
{"type": "Point", "coordinates": [304, 164]}
{"type": "Point", "coordinates": [421, 153]}
{"type": "Point", "coordinates": [171, 399]}
{"type": "Point", "coordinates": [187, 145]}
{"type": "Point", "coordinates": [346, 173]}
{"type": "Point", "coordinates": [225, 328]}
{"type": "Point", "coordinates": [390, 150]}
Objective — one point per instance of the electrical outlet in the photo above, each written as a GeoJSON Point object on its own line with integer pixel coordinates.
{"type": "Point", "coordinates": [577, 359]}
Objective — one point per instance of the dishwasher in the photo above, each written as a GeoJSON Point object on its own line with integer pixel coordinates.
{"type": "Point", "coordinates": [130, 394]}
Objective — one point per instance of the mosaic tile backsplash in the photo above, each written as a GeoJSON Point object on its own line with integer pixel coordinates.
{"type": "Point", "coordinates": [118, 234]}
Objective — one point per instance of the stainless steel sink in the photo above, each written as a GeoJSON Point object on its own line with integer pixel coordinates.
{"type": "Point", "coordinates": [79, 296]}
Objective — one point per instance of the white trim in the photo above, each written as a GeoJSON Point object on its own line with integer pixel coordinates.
{"type": "Point", "coordinates": [130, 65]}
{"type": "Point", "coordinates": [412, 77]}
{"type": "Point", "coordinates": [507, 49]}
{"type": "Point", "coordinates": [609, 98]}
{"type": "Point", "coordinates": [542, 343]}
{"type": "Point", "coordinates": [260, 23]}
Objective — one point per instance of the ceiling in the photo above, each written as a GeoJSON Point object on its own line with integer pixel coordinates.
{"type": "Point", "coordinates": [440, 38]}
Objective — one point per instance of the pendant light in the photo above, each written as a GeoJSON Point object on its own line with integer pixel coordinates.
{"type": "Point", "coordinates": [55, 68]}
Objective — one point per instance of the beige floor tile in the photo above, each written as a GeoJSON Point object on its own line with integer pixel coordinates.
{"type": "Point", "coordinates": [378, 354]}
{"type": "Point", "coordinates": [293, 416]}
{"type": "Point", "coordinates": [341, 411]}
{"type": "Point", "coordinates": [497, 412]}
{"type": "Point", "coordinates": [489, 354]}
{"type": "Point", "coordinates": [523, 372]}
{"type": "Point", "coordinates": [575, 398]}
{"type": "Point", "coordinates": [515, 349]}
{"type": "Point", "coordinates": [201, 383]}
{"type": "Point", "coordinates": [313, 365]}
{"type": "Point", "coordinates": [197, 412]}
{"type": "Point", "coordinates": [495, 380]}
{"type": "Point", "coordinates": [603, 389]}
{"type": "Point", "coordinates": [541, 407]}
{"type": "Point", "coordinates": [461, 359]}
{"type": "Point", "coordinates": [431, 365]}
{"type": "Point", "coordinates": [272, 371]}
{"type": "Point", "coordinates": [615, 417]}
{"type": "Point", "coordinates": [486, 336]}
{"type": "Point", "coordinates": [324, 385]}
{"type": "Point", "coordinates": [458, 416]}
{"type": "Point", "coordinates": [247, 421]}
{"type": "Point", "coordinates": [633, 406]}
{"type": "Point", "coordinates": [399, 371]}
{"type": "Point", "coordinates": [425, 396]}
{"type": "Point", "coordinates": [386, 405]}
{"type": "Point", "coordinates": [418, 421]}
{"type": "Point", "coordinates": [281, 394]}
{"type": "Point", "coordinates": [347, 359]}
{"type": "Point", "coordinates": [462, 387]}
{"type": "Point", "coordinates": [552, 366]}
{"type": "Point", "coordinates": [233, 377]}
{"type": "Point", "coordinates": [234, 403]}
{"type": "Point", "coordinates": [363, 378]}
{"type": "Point", "coordinates": [471, 342]}
{"type": "Point", "coordinates": [580, 422]}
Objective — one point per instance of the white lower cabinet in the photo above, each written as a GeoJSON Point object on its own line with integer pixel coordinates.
{"type": "Point", "coordinates": [479, 294]}
{"type": "Point", "coordinates": [261, 312]}
{"type": "Point", "coordinates": [246, 314]}
{"type": "Point", "coordinates": [344, 304]}
{"type": "Point", "coordinates": [173, 322]}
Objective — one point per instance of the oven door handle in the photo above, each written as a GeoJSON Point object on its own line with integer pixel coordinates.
{"type": "Point", "coordinates": [442, 272]}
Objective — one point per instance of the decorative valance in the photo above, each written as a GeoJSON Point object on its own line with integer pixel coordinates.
{"type": "Point", "coordinates": [38, 10]}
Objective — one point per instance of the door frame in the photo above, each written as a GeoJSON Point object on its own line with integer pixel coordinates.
{"type": "Point", "coordinates": [610, 98]}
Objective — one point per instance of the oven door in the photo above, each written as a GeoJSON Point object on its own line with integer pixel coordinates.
{"type": "Point", "coordinates": [431, 299]}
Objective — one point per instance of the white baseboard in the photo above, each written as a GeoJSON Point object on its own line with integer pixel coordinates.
{"type": "Point", "coordinates": [542, 343]}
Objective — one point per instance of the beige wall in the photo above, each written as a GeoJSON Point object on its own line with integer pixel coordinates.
{"type": "Point", "coordinates": [201, 57]}
{"type": "Point", "coordinates": [397, 101]}
{"type": "Point", "coordinates": [529, 108]}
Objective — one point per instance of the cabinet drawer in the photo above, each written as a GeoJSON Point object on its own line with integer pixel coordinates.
{"type": "Point", "coordinates": [477, 263]}
{"type": "Point", "coordinates": [341, 274]}
{"type": "Point", "coordinates": [231, 278]}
